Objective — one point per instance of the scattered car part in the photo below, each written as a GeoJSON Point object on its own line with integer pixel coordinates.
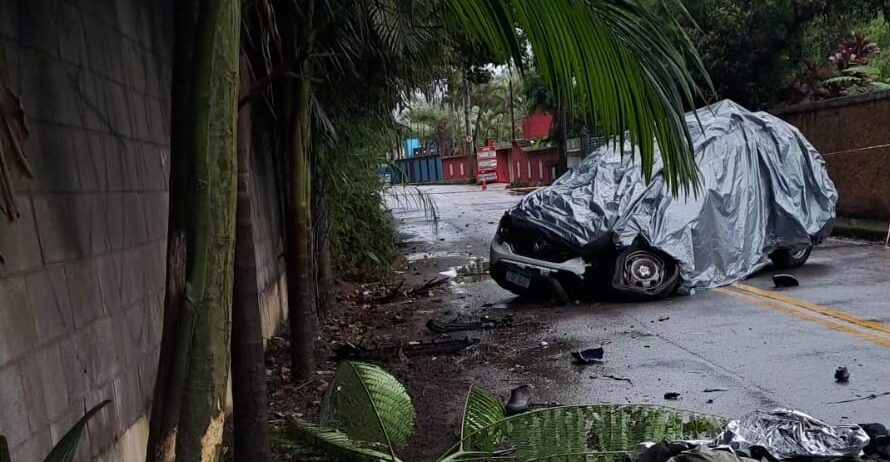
{"type": "Point", "coordinates": [443, 347]}
{"type": "Point", "coordinates": [789, 434]}
{"type": "Point", "coordinates": [588, 356]}
{"type": "Point", "coordinates": [714, 390]}
{"type": "Point", "coordinates": [672, 395]}
{"type": "Point", "coordinates": [781, 281]}
{"type": "Point", "coordinates": [878, 440]}
{"type": "Point", "coordinates": [520, 397]}
{"type": "Point", "coordinates": [764, 189]}
{"type": "Point", "coordinates": [486, 323]}
{"type": "Point", "coordinates": [842, 375]}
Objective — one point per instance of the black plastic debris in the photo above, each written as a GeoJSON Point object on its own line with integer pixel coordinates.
{"type": "Point", "coordinates": [879, 440]}
{"type": "Point", "coordinates": [714, 390]}
{"type": "Point", "coordinates": [842, 375]}
{"type": "Point", "coordinates": [662, 451]}
{"type": "Point", "coordinates": [785, 280]}
{"type": "Point", "coordinates": [672, 396]}
{"type": "Point", "coordinates": [486, 323]}
{"type": "Point", "coordinates": [520, 397]}
{"type": "Point", "coordinates": [588, 356]}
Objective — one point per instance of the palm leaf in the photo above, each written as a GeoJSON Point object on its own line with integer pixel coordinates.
{"type": "Point", "coordinates": [602, 433]}
{"type": "Point", "coordinates": [369, 405]}
{"type": "Point", "coordinates": [65, 449]}
{"type": "Point", "coordinates": [624, 60]}
{"type": "Point", "coordinates": [843, 80]}
{"type": "Point", "coordinates": [481, 410]}
{"type": "Point", "coordinates": [299, 440]}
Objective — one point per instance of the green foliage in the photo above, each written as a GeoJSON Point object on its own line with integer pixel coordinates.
{"type": "Point", "coordinates": [754, 49]}
{"type": "Point", "coordinates": [368, 404]}
{"type": "Point", "coordinates": [299, 440]}
{"type": "Point", "coordinates": [603, 433]}
{"type": "Point", "coordinates": [66, 448]}
{"type": "Point", "coordinates": [481, 410]}
{"type": "Point", "coordinates": [366, 410]}
{"type": "Point", "coordinates": [627, 61]}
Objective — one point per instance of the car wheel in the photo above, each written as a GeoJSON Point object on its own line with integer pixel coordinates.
{"type": "Point", "coordinates": [643, 274]}
{"type": "Point", "coordinates": [787, 258]}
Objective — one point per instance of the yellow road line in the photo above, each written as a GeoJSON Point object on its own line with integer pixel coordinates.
{"type": "Point", "coordinates": [831, 312]}
{"type": "Point", "coordinates": [805, 314]}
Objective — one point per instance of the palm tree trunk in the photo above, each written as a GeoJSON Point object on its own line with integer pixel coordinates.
{"type": "Point", "coordinates": [206, 321]}
{"type": "Point", "coordinates": [303, 320]}
{"type": "Point", "coordinates": [193, 367]}
{"type": "Point", "coordinates": [324, 271]}
{"type": "Point", "coordinates": [251, 412]}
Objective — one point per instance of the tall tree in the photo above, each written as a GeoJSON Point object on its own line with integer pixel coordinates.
{"type": "Point", "coordinates": [203, 199]}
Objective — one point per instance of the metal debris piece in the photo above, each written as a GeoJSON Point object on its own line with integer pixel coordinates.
{"type": "Point", "coordinates": [520, 397]}
{"type": "Point", "coordinates": [672, 396]}
{"type": "Point", "coordinates": [589, 356]}
{"type": "Point", "coordinates": [484, 323]}
{"type": "Point", "coordinates": [785, 280]}
{"type": "Point", "coordinates": [788, 434]}
{"type": "Point", "coordinates": [842, 375]}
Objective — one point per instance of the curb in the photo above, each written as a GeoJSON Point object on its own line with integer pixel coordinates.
{"type": "Point", "coordinates": [869, 230]}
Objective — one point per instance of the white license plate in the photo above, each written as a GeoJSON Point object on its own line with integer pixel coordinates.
{"type": "Point", "coordinates": [519, 279]}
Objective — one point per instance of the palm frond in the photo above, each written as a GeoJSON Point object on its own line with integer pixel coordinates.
{"type": "Point", "coordinates": [481, 410]}
{"type": "Point", "coordinates": [65, 449]}
{"type": "Point", "coordinates": [620, 59]}
{"type": "Point", "coordinates": [601, 433]}
{"type": "Point", "coordinates": [368, 404]}
{"type": "Point", "coordinates": [299, 440]}
{"type": "Point", "coordinates": [4, 450]}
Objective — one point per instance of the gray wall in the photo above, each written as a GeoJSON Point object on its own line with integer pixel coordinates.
{"type": "Point", "coordinates": [81, 292]}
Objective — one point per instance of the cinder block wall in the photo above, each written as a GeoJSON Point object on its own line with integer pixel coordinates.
{"type": "Point", "coordinates": [82, 289]}
{"type": "Point", "coordinates": [851, 133]}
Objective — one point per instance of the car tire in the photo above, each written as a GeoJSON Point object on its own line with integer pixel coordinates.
{"type": "Point", "coordinates": [642, 274]}
{"type": "Point", "coordinates": [787, 258]}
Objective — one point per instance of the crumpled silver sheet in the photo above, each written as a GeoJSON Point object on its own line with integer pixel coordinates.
{"type": "Point", "coordinates": [787, 434]}
{"type": "Point", "coordinates": [763, 187]}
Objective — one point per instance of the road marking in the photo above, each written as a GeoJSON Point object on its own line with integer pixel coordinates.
{"type": "Point", "coordinates": [807, 314]}
{"type": "Point", "coordinates": [831, 312]}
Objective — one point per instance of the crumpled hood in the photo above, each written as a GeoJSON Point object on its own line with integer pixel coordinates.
{"type": "Point", "coordinates": [763, 186]}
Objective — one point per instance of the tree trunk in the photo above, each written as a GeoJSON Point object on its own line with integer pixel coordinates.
{"type": "Point", "coordinates": [303, 321]}
{"type": "Point", "coordinates": [167, 391]}
{"type": "Point", "coordinates": [205, 322]}
{"type": "Point", "coordinates": [469, 134]}
{"type": "Point", "coordinates": [251, 412]}
{"type": "Point", "coordinates": [563, 154]}
{"type": "Point", "coordinates": [324, 271]}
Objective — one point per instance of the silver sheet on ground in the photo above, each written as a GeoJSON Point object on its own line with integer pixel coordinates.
{"type": "Point", "coordinates": [763, 186]}
{"type": "Point", "coordinates": [788, 434]}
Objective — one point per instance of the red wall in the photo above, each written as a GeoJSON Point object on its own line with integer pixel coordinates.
{"type": "Point", "coordinates": [451, 169]}
{"type": "Point", "coordinates": [540, 162]}
{"type": "Point", "coordinates": [503, 168]}
{"type": "Point", "coordinates": [537, 125]}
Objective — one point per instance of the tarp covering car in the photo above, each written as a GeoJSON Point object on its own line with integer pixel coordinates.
{"type": "Point", "coordinates": [762, 187]}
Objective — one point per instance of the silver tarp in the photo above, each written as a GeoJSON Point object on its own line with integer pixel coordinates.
{"type": "Point", "coordinates": [788, 434]}
{"type": "Point", "coordinates": [763, 186]}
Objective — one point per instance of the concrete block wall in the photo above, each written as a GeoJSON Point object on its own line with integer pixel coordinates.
{"type": "Point", "coordinates": [81, 291]}
{"type": "Point", "coordinates": [851, 134]}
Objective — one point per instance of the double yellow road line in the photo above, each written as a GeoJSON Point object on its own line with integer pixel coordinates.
{"type": "Point", "coordinates": [840, 321]}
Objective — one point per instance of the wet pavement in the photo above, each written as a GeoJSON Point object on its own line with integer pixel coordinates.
{"type": "Point", "coordinates": [725, 351]}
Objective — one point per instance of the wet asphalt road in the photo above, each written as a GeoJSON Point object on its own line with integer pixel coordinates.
{"type": "Point", "coordinates": [758, 348]}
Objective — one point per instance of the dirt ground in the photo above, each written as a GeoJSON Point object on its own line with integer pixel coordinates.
{"type": "Point", "coordinates": [437, 383]}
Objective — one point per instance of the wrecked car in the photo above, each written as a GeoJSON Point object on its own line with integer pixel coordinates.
{"type": "Point", "coordinates": [764, 196]}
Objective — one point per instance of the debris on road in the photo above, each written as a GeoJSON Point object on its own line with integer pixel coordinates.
{"type": "Point", "coordinates": [485, 323]}
{"type": "Point", "coordinates": [444, 347]}
{"type": "Point", "coordinates": [714, 390]}
{"type": "Point", "coordinates": [878, 440]}
{"type": "Point", "coordinates": [789, 434]}
{"type": "Point", "coordinates": [842, 375]}
{"type": "Point", "coordinates": [519, 400]}
{"type": "Point", "coordinates": [862, 398]}
{"type": "Point", "coordinates": [672, 396]}
{"type": "Point", "coordinates": [589, 356]}
{"type": "Point", "coordinates": [782, 281]}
